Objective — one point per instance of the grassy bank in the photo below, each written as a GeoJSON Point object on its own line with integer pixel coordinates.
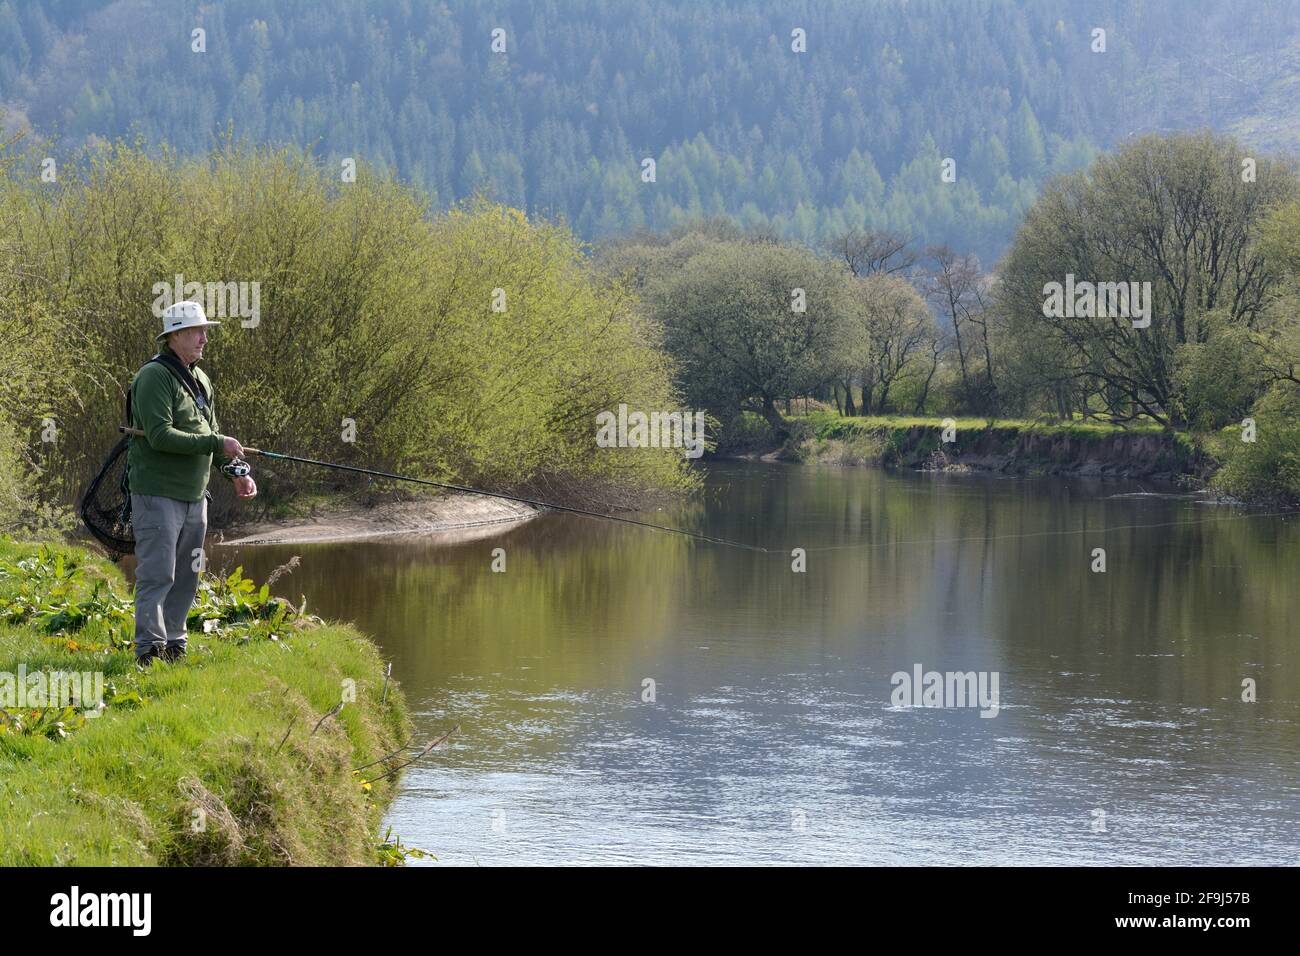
{"type": "Point", "coordinates": [1006, 445]}
{"type": "Point", "coordinates": [222, 758]}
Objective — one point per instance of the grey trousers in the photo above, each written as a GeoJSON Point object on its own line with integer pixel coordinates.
{"type": "Point", "coordinates": [168, 551]}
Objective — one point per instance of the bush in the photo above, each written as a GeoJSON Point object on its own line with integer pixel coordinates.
{"type": "Point", "coordinates": [747, 432]}
{"type": "Point", "coordinates": [856, 448]}
{"type": "Point", "coordinates": [21, 509]}
{"type": "Point", "coordinates": [1269, 467]}
{"type": "Point", "coordinates": [797, 441]}
{"type": "Point", "coordinates": [371, 310]}
{"type": "Point", "coordinates": [1218, 380]}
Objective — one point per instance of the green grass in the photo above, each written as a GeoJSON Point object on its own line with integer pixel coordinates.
{"type": "Point", "coordinates": [211, 760]}
{"type": "Point", "coordinates": [832, 425]}
{"type": "Point", "coordinates": [1024, 446]}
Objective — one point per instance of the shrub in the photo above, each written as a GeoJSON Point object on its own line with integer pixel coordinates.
{"type": "Point", "coordinates": [371, 310]}
{"type": "Point", "coordinates": [1269, 467]}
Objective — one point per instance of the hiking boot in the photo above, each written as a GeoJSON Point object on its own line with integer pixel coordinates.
{"type": "Point", "coordinates": [148, 657]}
{"type": "Point", "coordinates": [172, 653]}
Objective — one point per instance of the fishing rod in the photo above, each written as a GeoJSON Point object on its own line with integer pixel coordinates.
{"type": "Point", "coordinates": [704, 537]}
{"type": "Point", "coordinates": [263, 453]}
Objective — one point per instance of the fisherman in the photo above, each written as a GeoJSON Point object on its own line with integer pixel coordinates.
{"type": "Point", "coordinates": [171, 402]}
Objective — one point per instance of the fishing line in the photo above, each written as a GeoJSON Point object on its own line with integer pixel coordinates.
{"type": "Point", "coordinates": [1041, 534]}
{"type": "Point", "coordinates": [699, 536]}
{"type": "Point", "coordinates": [489, 494]}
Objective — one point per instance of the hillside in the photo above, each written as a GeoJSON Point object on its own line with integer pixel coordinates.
{"type": "Point", "coordinates": [849, 133]}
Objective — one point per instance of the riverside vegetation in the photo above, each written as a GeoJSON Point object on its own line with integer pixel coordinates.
{"type": "Point", "coordinates": [477, 341]}
{"type": "Point", "coordinates": [1022, 447]}
{"type": "Point", "coordinates": [874, 327]}
{"type": "Point", "coordinates": [240, 754]}
{"type": "Point", "coordinates": [478, 346]}
{"type": "Point", "coordinates": [382, 341]}
{"type": "Point", "coordinates": [377, 322]}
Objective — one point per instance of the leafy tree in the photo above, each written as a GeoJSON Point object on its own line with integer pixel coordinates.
{"type": "Point", "coordinates": [897, 332]}
{"type": "Point", "coordinates": [732, 321]}
{"type": "Point", "coordinates": [1173, 212]}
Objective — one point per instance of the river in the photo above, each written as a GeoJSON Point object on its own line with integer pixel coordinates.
{"type": "Point", "coordinates": [630, 696]}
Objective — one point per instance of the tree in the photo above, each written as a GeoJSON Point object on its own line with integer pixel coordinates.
{"type": "Point", "coordinates": [959, 290]}
{"type": "Point", "coordinates": [897, 330]}
{"type": "Point", "coordinates": [1172, 214]}
{"type": "Point", "coordinates": [1028, 157]}
{"type": "Point", "coordinates": [873, 251]}
{"type": "Point", "coordinates": [732, 322]}
{"type": "Point", "coordinates": [1276, 336]}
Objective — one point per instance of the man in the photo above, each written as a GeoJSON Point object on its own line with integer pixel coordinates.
{"type": "Point", "coordinates": [171, 402]}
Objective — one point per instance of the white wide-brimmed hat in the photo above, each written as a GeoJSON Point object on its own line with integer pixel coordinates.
{"type": "Point", "coordinates": [183, 315]}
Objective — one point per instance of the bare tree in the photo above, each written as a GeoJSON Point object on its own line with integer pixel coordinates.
{"type": "Point", "coordinates": [959, 290]}
{"type": "Point", "coordinates": [938, 345]}
{"type": "Point", "coordinates": [873, 252]}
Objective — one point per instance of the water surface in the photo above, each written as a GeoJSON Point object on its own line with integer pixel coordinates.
{"type": "Point", "coordinates": [772, 738]}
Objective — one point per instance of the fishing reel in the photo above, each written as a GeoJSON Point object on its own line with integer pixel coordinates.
{"type": "Point", "coordinates": [237, 468]}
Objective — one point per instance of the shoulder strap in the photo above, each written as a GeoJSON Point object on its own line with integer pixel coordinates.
{"type": "Point", "coordinates": [193, 387]}
{"type": "Point", "coordinates": [183, 375]}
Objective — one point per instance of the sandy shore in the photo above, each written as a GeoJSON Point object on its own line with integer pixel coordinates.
{"type": "Point", "coordinates": [450, 518]}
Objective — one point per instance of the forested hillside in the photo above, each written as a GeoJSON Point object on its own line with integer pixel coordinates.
{"type": "Point", "coordinates": [850, 133]}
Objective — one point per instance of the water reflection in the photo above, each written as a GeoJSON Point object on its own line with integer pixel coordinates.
{"type": "Point", "coordinates": [771, 737]}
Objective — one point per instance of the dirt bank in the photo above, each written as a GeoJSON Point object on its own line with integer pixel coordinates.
{"type": "Point", "coordinates": [1017, 449]}
{"type": "Point", "coordinates": [451, 518]}
{"type": "Point", "coordinates": [1143, 455]}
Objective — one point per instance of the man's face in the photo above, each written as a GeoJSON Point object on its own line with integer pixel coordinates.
{"type": "Point", "coordinates": [188, 344]}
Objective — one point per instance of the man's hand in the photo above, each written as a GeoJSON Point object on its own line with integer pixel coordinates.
{"type": "Point", "coordinates": [233, 448]}
{"type": "Point", "coordinates": [245, 487]}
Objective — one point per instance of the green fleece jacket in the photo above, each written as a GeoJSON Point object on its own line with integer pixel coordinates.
{"type": "Point", "coordinates": [174, 458]}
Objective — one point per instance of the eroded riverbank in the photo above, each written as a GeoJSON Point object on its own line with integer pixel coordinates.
{"type": "Point", "coordinates": [1078, 450]}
